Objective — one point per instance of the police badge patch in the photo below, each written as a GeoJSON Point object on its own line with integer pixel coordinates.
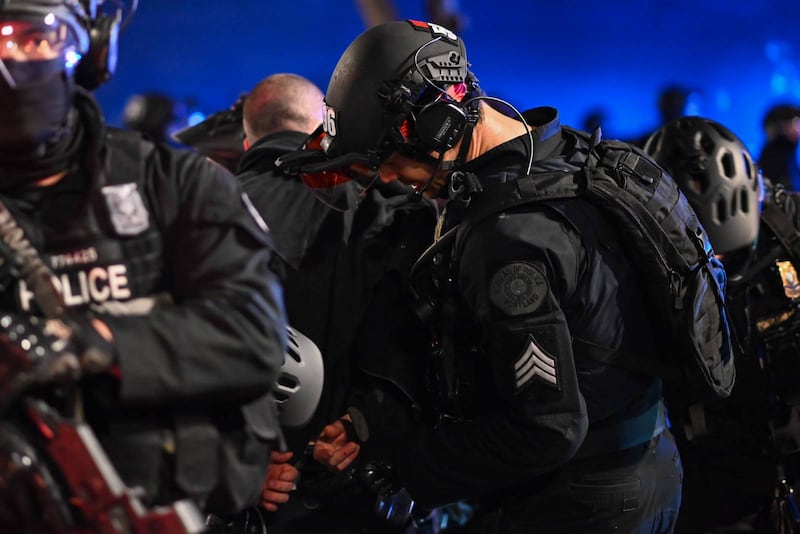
{"type": "Point", "coordinates": [518, 288]}
{"type": "Point", "coordinates": [128, 212]}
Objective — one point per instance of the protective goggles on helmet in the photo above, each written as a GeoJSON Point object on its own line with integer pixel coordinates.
{"type": "Point", "coordinates": [332, 180]}
{"type": "Point", "coordinates": [35, 48]}
{"type": "Point", "coordinates": [321, 170]}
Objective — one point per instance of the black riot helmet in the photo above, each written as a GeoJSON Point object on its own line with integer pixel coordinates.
{"type": "Point", "coordinates": [388, 87]}
{"type": "Point", "coordinates": [715, 171]}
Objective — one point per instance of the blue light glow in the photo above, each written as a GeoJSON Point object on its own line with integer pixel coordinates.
{"type": "Point", "coordinates": [72, 58]}
{"type": "Point", "coordinates": [196, 118]}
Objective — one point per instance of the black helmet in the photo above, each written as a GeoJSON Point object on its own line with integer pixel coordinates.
{"type": "Point", "coordinates": [382, 80]}
{"type": "Point", "coordinates": [219, 137]}
{"type": "Point", "coordinates": [41, 38]}
{"type": "Point", "coordinates": [151, 113]}
{"type": "Point", "coordinates": [715, 171]}
{"type": "Point", "coordinates": [777, 116]}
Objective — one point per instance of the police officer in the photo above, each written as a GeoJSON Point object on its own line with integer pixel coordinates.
{"type": "Point", "coordinates": [324, 235]}
{"type": "Point", "coordinates": [167, 319]}
{"type": "Point", "coordinates": [278, 114]}
{"type": "Point", "coordinates": [739, 453]}
{"type": "Point", "coordinates": [533, 432]}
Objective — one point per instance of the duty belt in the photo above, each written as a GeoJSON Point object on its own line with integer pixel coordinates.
{"type": "Point", "coordinates": [624, 434]}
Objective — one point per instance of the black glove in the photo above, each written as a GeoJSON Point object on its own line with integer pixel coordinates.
{"type": "Point", "coordinates": [379, 478]}
{"type": "Point", "coordinates": [34, 350]}
{"type": "Point", "coordinates": [96, 354]}
{"type": "Point", "coordinates": [392, 502]}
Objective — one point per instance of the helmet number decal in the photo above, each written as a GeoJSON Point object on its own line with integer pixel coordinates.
{"type": "Point", "coordinates": [442, 31]}
{"type": "Point", "coordinates": [329, 124]}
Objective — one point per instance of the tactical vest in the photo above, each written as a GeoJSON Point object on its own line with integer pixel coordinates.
{"type": "Point", "coordinates": [109, 251]}
{"type": "Point", "coordinates": [668, 247]}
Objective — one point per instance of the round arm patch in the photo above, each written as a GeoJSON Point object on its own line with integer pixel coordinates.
{"type": "Point", "coordinates": [518, 288]}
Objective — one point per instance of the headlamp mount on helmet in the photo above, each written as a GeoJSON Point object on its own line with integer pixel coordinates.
{"type": "Point", "coordinates": [104, 25]}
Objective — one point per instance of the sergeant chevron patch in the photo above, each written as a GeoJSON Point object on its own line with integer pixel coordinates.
{"type": "Point", "coordinates": [535, 362]}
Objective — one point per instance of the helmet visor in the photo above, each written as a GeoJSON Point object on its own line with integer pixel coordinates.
{"type": "Point", "coordinates": [33, 50]}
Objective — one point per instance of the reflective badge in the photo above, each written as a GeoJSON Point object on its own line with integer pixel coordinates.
{"type": "Point", "coordinates": [535, 363]}
{"type": "Point", "coordinates": [128, 212]}
{"type": "Point", "coordinates": [791, 286]}
{"type": "Point", "coordinates": [518, 288]}
{"type": "Point", "coordinates": [765, 323]}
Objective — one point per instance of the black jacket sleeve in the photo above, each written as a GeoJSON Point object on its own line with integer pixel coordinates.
{"type": "Point", "coordinates": [224, 337]}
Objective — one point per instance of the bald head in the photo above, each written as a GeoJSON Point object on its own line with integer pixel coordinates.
{"type": "Point", "coordinates": [281, 102]}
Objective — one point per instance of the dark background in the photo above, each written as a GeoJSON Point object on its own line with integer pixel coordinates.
{"type": "Point", "coordinates": [739, 56]}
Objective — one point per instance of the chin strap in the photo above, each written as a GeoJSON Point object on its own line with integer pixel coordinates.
{"type": "Point", "coordinates": [421, 191]}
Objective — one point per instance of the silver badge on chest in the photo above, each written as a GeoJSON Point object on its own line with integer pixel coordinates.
{"type": "Point", "coordinates": [128, 212]}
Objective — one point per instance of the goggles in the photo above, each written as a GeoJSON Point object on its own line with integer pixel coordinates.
{"type": "Point", "coordinates": [331, 180]}
{"type": "Point", "coordinates": [34, 49]}
{"type": "Point", "coordinates": [317, 170]}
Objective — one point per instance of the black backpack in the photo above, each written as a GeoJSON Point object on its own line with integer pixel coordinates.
{"type": "Point", "coordinates": [684, 281]}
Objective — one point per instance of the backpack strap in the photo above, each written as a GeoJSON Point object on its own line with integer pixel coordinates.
{"type": "Point", "coordinates": [525, 190]}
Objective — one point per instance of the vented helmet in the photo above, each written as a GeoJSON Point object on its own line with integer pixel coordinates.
{"type": "Point", "coordinates": [715, 171]}
{"type": "Point", "coordinates": [387, 76]}
{"type": "Point", "coordinates": [300, 381]}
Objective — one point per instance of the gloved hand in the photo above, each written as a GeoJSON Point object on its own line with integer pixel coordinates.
{"type": "Point", "coordinates": [34, 350]}
{"type": "Point", "coordinates": [392, 502]}
{"type": "Point", "coordinates": [379, 478]}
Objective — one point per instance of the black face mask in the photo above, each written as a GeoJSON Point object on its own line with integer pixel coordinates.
{"type": "Point", "coordinates": [35, 114]}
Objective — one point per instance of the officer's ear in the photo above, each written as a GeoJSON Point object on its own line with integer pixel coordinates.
{"type": "Point", "coordinates": [246, 144]}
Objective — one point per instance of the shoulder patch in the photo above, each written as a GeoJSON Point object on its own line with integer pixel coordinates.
{"type": "Point", "coordinates": [535, 363]}
{"type": "Point", "coordinates": [518, 288]}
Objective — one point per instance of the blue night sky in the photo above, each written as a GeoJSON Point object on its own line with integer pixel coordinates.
{"type": "Point", "coordinates": [739, 56]}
